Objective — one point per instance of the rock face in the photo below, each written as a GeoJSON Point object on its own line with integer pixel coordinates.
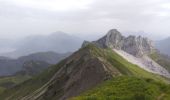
{"type": "Point", "coordinates": [112, 39]}
{"type": "Point", "coordinates": [137, 46]}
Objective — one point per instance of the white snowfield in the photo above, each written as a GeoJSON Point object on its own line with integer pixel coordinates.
{"type": "Point", "coordinates": [145, 63]}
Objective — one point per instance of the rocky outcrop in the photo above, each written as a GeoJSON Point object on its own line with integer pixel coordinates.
{"type": "Point", "coordinates": [137, 46]}
{"type": "Point", "coordinates": [134, 49]}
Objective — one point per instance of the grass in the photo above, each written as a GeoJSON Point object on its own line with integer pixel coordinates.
{"type": "Point", "coordinates": [31, 85]}
{"type": "Point", "coordinates": [2, 89]}
{"type": "Point", "coordinates": [10, 81]}
{"type": "Point", "coordinates": [127, 88]}
{"type": "Point", "coordinates": [13, 79]}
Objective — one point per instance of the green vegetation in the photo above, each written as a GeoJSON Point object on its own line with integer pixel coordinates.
{"type": "Point", "coordinates": [133, 83]}
{"type": "Point", "coordinates": [32, 84]}
{"type": "Point", "coordinates": [10, 81]}
{"type": "Point", "coordinates": [2, 89]}
{"type": "Point", "coordinates": [14, 79]}
{"type": "Point", "coordinates": [128, 88]}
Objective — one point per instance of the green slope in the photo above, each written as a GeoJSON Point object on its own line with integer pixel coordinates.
{"type": "Point", "coordinates": [128, 88]}
{"type": "Point", "coordinates": [30, 69]}
{"type": "Point", "coordinates": [36, 85]}
{"type": "Point", "coordinates": [2, 89]}
{"type": "Point", "coordinates": [10, 81]}
{"type": "Point", "coordinates": [30, 85]}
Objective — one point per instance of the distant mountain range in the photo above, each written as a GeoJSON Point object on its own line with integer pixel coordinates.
{"type": "Point", "coordinates": [59, 42]}
{"type": "Point", "coordinates": [31, 68]}
{"type": "Point", "coordinates": [10, 66]}
{"type": "Point", "coordinates": [113, 67]}
{"type": "Point", "coordinates": [164, 46]}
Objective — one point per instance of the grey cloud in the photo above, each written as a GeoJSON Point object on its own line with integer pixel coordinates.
{"type": "Point", "coordinates": [101, 15]}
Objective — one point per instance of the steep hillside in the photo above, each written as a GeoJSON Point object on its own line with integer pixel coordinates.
{"type": "Point", "coordinates": [81, 71]}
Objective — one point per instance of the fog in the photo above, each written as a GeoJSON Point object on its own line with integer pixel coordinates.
{"type": "Point", "coordinates": [84, 19]}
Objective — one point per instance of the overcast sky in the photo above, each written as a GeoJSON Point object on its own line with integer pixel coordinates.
{"type": "Point", "coordinates": [20, 18]}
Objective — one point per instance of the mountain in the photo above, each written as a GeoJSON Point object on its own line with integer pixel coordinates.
{"type": "Point", "coordinates": [136, 50]}
{"type": "Point", "coordinates": [49, 57]}
{"type": "Point", "coordinates": [163, 46]}
{"type": "Point", "coordinates": [100, 63]}
{"type": "Point", "coordinates": [137, 46]}
{"type": "Point", "coordinates": [10, 66]}
{"type": "Point", "coordinates": [32, 68]}
{"type": "Point", "coordinates": [81, 71]}
{"type": "Point", "coordinates": [57, 42]}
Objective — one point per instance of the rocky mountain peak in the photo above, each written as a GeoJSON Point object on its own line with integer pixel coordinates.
{"type": "Point", "coordinates": [137, 46]}
{"type": "Point", "coordinates": [114, 39]}
{"type": "Point", "coordinates": [113, 32]}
